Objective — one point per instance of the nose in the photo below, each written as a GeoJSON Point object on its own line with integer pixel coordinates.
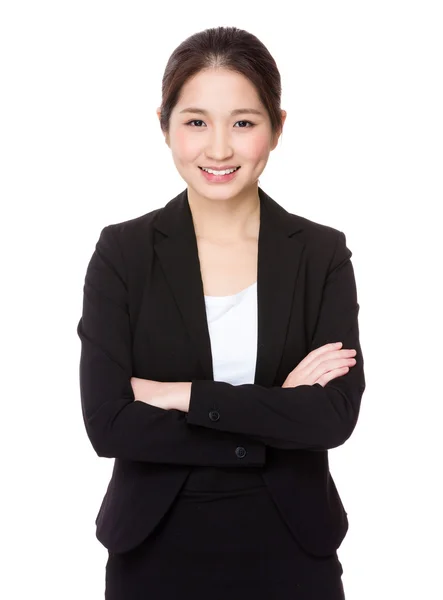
{"type": "Point", "coordinates": [219, 145]}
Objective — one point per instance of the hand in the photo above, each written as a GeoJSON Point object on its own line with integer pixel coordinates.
{"type": "Point", "coordinates": [321, 365]}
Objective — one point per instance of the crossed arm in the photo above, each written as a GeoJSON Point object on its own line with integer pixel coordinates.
{"type": "Point", "coordinates": [125, 417]}
{"type": "Point", "coordinates": [319, 367]}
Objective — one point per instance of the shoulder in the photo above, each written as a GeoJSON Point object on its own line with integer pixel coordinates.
{"type": "Point", "coordinates": [315, 232]}
{"type": "Point", "coordinates": [131, 239]}
{"type": "Point", "coordinates": [140, 229]}
{"type": "Point", "coordinates": [319, 239]}
{"type": "Point", "coordinates": [326, 246]}
{"type": "Point", "coordinates": [311, 233]}
{"type": "Point", "coordinates": [323, 246]}
{"type": "Point", "coordinates": [127, 243]}
{"type": "Point", "coordinates": [135, 226]}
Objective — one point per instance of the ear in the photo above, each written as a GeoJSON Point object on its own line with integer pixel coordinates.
{"type": "Point", "coordinates": [158, 111]}
{"type": "Point", "coordinates": [277, 135]}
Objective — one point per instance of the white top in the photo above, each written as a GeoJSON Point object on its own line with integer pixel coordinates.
{"type": "Point", "coordinates": [232, 322]}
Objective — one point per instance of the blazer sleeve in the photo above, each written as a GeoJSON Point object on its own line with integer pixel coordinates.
{"type": "Point", "coordinates": [304, 417]}
{"type": "Point", "coordinates": [118, 426]}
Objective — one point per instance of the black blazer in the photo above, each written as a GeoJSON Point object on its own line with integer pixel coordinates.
{"type": "Point", "coordinates": [144, 316]}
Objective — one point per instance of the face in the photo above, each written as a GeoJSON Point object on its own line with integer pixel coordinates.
{"type": "Point", "coordinates": [219, 137]}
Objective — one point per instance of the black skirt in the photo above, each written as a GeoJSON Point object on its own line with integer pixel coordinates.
{"type": "Point", "coordinates": [222, 539]}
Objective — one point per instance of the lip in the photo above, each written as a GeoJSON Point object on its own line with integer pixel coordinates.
{"type": "Point", "coordinates": [213, 179]}
{"type": "Point", "coordinates": [222, 168]}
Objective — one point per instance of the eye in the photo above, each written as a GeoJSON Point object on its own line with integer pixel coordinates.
{"type": "Point", "coordinates": [251, 124]}
{"type": "Point", "coordinates": [200, 121]}
{"type": "Point", "coordinates": [194, 121]}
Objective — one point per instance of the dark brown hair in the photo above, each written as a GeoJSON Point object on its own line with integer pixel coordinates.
{"type": "Point", "coordinates": [229, 48]}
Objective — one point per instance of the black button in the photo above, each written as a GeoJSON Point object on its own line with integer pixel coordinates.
{"type": "Point", "coordinates": [240, 452]}
{"type": "Point", "coordinates": [214, 415]}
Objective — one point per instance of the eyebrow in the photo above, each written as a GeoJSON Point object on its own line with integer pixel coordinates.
{"type": "Point", "coordinates": [237, 111]}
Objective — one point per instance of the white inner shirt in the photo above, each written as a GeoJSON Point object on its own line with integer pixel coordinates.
{"type": "Point", "coordinates": [232, 323]}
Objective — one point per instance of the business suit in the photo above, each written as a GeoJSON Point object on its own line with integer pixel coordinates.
{"type": "Point", "coordinates": [144, 316]}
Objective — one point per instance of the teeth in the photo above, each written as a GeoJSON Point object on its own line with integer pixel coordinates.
{"type": "Point", "coordinates": [219, 172]}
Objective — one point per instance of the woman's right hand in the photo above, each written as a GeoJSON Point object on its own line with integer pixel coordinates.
{"type": "Point", "coordinates": [321, 365]}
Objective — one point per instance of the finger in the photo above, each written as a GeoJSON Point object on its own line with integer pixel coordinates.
{"type": "Point", "coordinates": [327, 362]}
{"type": "Point", "coordinates": [328, 356]}
{"type": "Point", "coordinates": [310, 365]}
{"type": "Point", "coordinates": [331, 365]}
{"type": "Point", "coordinates": [324, 379]}
{"type": "Point", "coordinates": [311, 376]}
{"type": "Point", "coordinates": [318, 352]}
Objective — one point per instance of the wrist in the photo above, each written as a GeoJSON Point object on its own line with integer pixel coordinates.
{"type": "Point", "coordinates": [178, 395]}
{"type": "Point", "coordinates": [164, 394]}
{"type": "Point", "coordinates": [172, 394]}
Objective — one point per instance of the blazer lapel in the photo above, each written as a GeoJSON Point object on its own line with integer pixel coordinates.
{"type": "Point", "coordinates": [279, 254]}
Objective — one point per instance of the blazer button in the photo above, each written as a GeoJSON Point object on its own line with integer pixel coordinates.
{"type": "Point", "coordinates": [214, 415]}
{"type": "Point", "coordinates": [240, 452]}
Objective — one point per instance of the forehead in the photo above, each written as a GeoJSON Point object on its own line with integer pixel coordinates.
{"type": "Point", "coordinates": [218, 89]}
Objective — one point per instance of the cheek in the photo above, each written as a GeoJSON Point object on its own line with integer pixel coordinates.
{"type": "Point", "coordinates": [257, 147]}
{"type": "Point", "coordinates": [184, 144]}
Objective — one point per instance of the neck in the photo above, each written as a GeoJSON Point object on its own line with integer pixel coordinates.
{"type": "Point", "coordinates": [228, 220]}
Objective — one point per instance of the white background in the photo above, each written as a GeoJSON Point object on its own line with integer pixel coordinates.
{"type": "Point", "coordinates": [361, 151]}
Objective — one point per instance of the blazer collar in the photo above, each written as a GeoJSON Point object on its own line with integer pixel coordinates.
{"type": "Point", "coordinates": [279, 255]}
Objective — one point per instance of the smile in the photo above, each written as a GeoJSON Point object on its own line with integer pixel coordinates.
{"type": "Point", "coordinates": [224, 172]}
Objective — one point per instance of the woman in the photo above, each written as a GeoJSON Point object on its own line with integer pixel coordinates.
{"type": "Point", "coordinates": [221, 357]}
